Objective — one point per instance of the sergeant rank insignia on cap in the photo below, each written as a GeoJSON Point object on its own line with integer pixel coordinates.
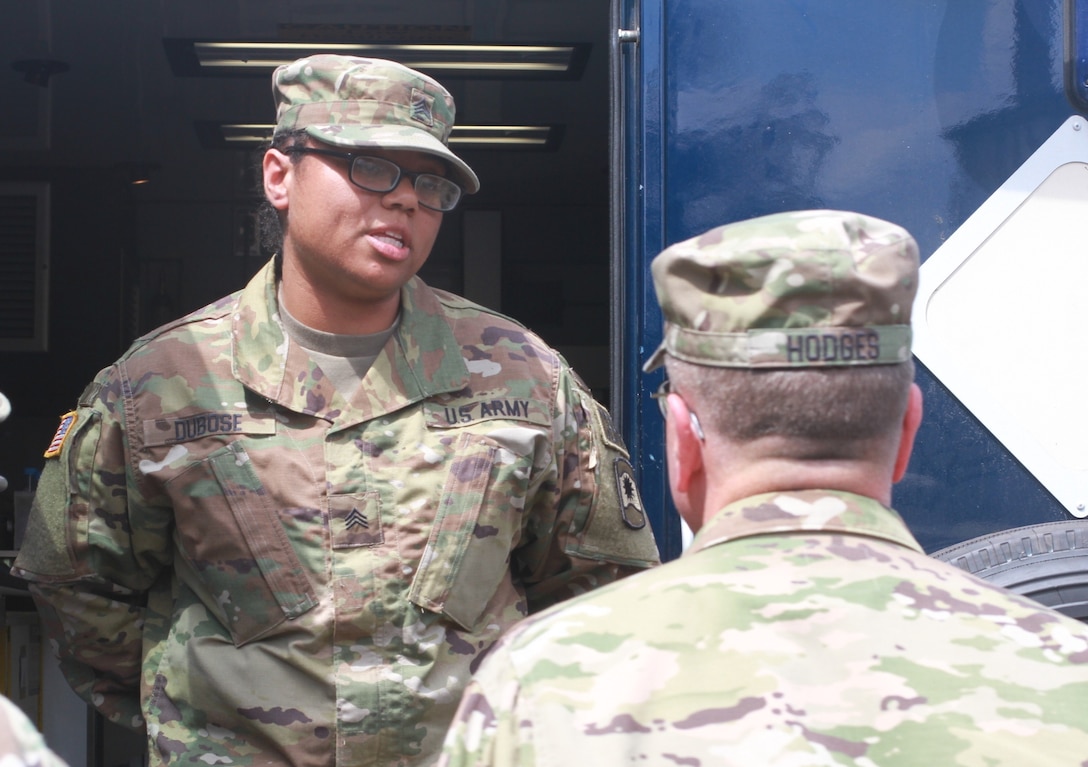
{"type": "Point", "coordinates": [421, 107]}
{"type": "Point", "coordinates": [67, 421]}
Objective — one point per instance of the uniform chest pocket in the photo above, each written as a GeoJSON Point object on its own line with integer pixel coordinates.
{"type": "Point", "coordinates": [467, 557]}
{"type": "Point", "coordinates": [235, 546]}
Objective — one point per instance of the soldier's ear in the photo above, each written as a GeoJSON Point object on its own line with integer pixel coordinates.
{"type": "Point", "coordinates": [912, 419]}
{"type": "Point", "coordinates": [685, 462]}
{"type": "Point", "coordinates": [685, 442]}
{"type": "Point", "coordinates": [278, 173]}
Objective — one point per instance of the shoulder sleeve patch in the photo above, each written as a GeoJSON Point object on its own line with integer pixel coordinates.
{"type": "Point", "coordinates": [67, 421]}
{"type": "Point", "coordinates": [631, 509]}
{"type": "Point", "coordinates": [616, 530]}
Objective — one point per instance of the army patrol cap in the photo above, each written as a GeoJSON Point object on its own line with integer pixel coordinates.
{"type": "Point", "coordinates": [802, 289]}
{"type": "Point", "coordinates": [355, 102]}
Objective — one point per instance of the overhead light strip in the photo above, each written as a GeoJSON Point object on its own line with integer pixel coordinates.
{"type": "Point", "coordinates": [508, 58]}
{"type": "Point", "coordinates": [459, 48]}
{"type": "Point", "coordinates": [469, 60]}
{"type": "Point", "coordinates": [499, 135]}
{"type": "Point", "coordinates": [468, 66]}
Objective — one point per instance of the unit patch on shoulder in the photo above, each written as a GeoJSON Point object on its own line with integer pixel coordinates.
{"type": "Point", "coordinates": [634, 515]}
{"type": "Point", "coordinates": [67, 421]}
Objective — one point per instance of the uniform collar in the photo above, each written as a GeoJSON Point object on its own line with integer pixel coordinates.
{"type": "Point", "coordinates": [804, 511]}
{"type": "Point", "coordinates": [420, 360]}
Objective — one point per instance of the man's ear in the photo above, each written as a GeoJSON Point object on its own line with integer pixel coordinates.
{"type": "Point", "coordinates": [686, 455]}
{"type": "Point", "coordinates": [912, 419]}
{"type": "Point", "coordinates": [277, 168]}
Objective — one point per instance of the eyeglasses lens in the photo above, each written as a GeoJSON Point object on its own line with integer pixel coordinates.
{"type": "Point", "coordinates": [379, 175]}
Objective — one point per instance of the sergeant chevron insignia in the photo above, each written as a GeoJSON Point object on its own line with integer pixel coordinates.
{"type": "Point", "coordinates": [356, 518]}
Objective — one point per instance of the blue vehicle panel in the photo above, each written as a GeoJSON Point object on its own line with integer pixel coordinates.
{"type": "Point", "coordinates": [907, 110]}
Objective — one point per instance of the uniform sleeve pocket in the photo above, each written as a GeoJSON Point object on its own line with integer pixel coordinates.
{"type": "Point", "coordinates": [467, 555]}
{"type": "Point", "coordinates": [238, 549]}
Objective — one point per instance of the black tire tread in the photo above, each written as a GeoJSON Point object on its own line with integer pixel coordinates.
{"type": "Point", "coordinates": [1047, 562]}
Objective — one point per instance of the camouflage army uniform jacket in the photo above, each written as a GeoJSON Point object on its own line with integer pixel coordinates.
{"type": "Point", "coordinates": [799, 629]}
{"type": "Point", "coordinates": [268, 573]}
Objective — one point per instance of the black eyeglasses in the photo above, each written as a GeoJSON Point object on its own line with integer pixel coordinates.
{"type": "Point", "coordinates": [662, 396]}
{"type": "Point", "coordinates": [376, 174]}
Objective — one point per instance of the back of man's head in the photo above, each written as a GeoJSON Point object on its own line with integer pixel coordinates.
{"type": "Point", "coordinates": [793, 325]}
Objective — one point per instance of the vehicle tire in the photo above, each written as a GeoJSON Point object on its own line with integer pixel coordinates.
{"type": "Point", "coordinates": [1046, 562]}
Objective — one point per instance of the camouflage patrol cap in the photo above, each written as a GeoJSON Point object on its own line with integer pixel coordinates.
{"type": "Point", "coordinates": [801, 289]}
{"type": "Point", "coordinates": [356, 102]}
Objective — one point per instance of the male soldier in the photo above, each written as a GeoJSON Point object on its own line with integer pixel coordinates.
{"type": "Point", "coordinates": [281, 530]}
{"type": "Point", "coordinates": [804, 625]}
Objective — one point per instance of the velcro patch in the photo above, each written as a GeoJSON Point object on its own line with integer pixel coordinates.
{"type": "Point", "coordinates": [444, 414]}
{"type": "Point", "coordinates": [170, 431]}
{"type": "Point", "coordinates": [67, 421]}
{"type": "Point", "coordinates": [355, 520]}
{"type": "Point", "coordinates": [631, 509]}
{"type": "Point", "coordinates": [606, 428]}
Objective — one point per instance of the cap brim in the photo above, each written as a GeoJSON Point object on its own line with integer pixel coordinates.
{"type": "Point", "coordinates": [396, 138]}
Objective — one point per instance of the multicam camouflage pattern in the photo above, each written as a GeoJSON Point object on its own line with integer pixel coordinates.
{"type": "Point", "coordinates": [799, 289]}
{"type": "Point", "coordinates": [21, 744]}
{"type": "Point", "coordinates": [268, 573]}
{"type": "Point", "coordinates": [799, 629]}
{"type": "Point", "coordinates": [357, 102]}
